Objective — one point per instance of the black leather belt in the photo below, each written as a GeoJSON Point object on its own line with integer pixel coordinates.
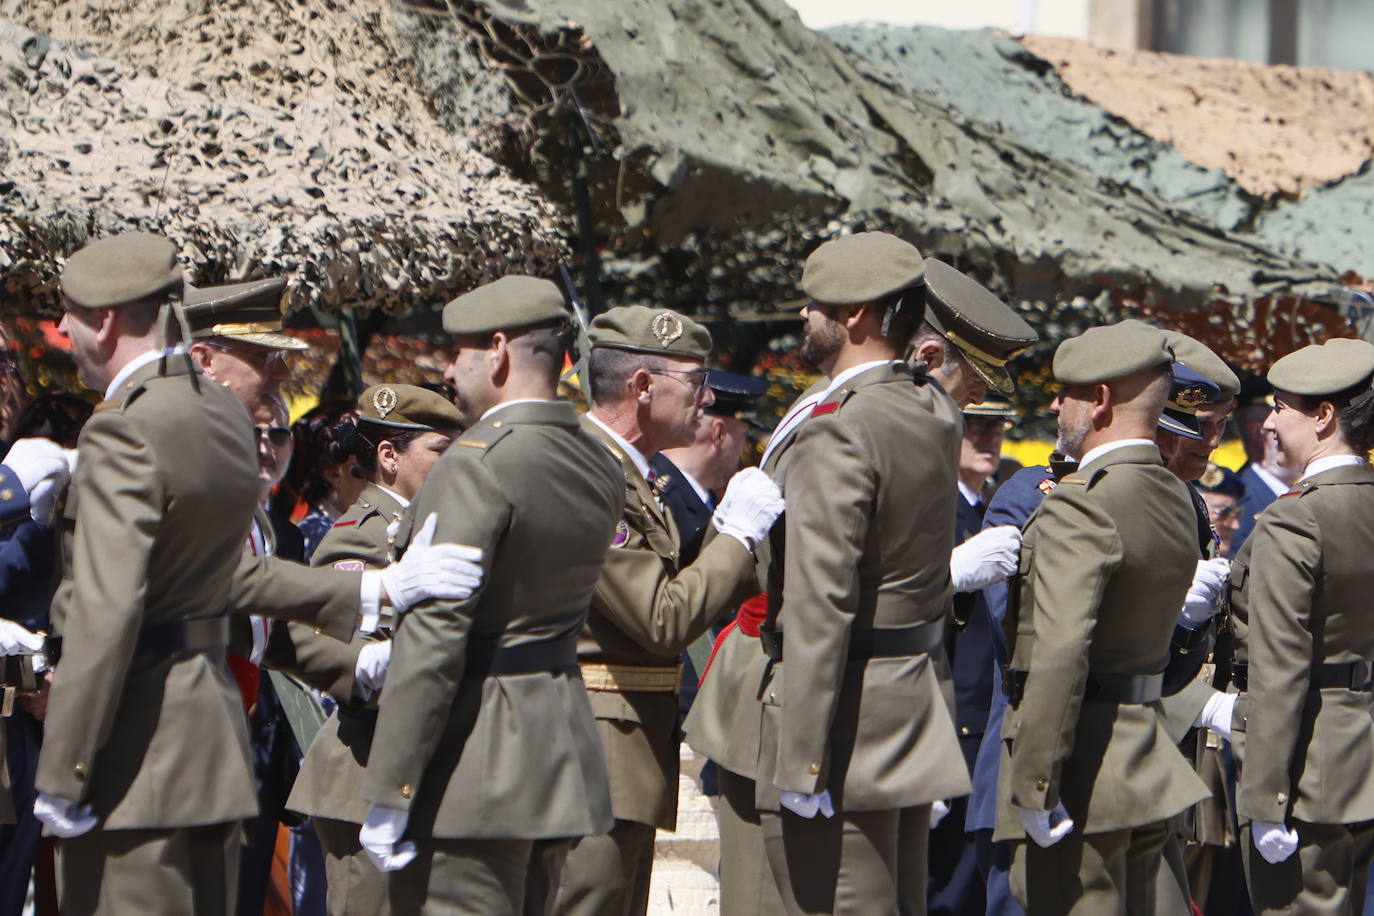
{"type": "Point", "coordinates": [882, 642]}
{"type": "Point", "coordinates": [170, 639]}
{"type": "Point", "coordinates": [1345, 675]}
{"type": "Point", "coordinates": [1110, 688]}
{"type": "Point", "coordinates": [487, 658]}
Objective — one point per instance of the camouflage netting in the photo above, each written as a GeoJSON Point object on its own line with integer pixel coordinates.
{"type": "Point", "coordinates": [264, 137]}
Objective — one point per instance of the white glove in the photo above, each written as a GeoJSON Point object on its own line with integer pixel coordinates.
{"type": "Point", "coordinates": [1046, 827]}
{"type": "Point", "coordinates": [1216, 714]}
{"type": "Point", "coordinates": [985, 559]}
{"type": "Point", "coordinates": [752, 503]}
{"type": "Point", "coordinates": [807, 805]}
{"type": "Point", "coordinates": [16, 640]}
{"type": "Point", "coordinates": [381, 835]}
{"type": "Point", "coordinates": [42, 470]}
{"type": "Point", "coordinates": [938, 810]}
{"type": "Point", "coordinates": [373, 660]}
{"type": "Point", "coordinates": [428, 570]}
{"type": "Point", "coordinates": [63, 818]}
{"type": "Point", "coordinates": [1274, 841]}
{"type": "Point", "coordinates": [1204, 595]}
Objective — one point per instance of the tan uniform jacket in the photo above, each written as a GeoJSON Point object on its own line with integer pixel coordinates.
{"type": "Point", "coordinates": [512, 756]}
{"type": "Point", "coordinates": [645, 611]}
{"type": "Point", "coordinates": [870, 488]}
{"type": "Point", "coordinates": [330, 783]}
{"type": "Point", "coordinates": [725, 717]}
{"type": "Point", "coordinates": [1106, 562]}
{"type": "Point", "coordinates": [1304, 583]}
{"type": "Point", "coordinates": [164, 490]}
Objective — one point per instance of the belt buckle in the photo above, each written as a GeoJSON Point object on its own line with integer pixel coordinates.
{"type": "Point", "coordinates": [7, 702]}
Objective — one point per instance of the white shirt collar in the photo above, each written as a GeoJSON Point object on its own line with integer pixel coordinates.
{"type": "Point", "coordinates": [504, 404]}
{"type": "Point", "coordinates": [1104, 448]}
{"type": "Point", "coordinates": [640, 462]}
{"type": "Point", "coordinates": [1318, 465]}
{"type": "Point", "coordinates": [972, 497]}
{"type": "Point", "coordinates": [852, 371]}
{"type": "Point", "coordinates": [1270, 481]}
{"type": "Point", "coordinates": [138, 362]}
{"type": "Point", "coordinates": [394, 495]}
{"type": "Point", "coordinates": [702, 493]}
{"type": "Point", "coordinates": [802, 409]}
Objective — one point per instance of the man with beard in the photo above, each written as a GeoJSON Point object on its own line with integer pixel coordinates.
{"type": "Point", "coordinates": [647, 388]}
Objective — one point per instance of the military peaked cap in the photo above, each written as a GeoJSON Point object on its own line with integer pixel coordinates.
{"type": "Point", "coordinates": [984, 328]}
{"type": "Point", "coordinates": [1189, 391]}
{"type": "Point", "coordinates": [249, 312]}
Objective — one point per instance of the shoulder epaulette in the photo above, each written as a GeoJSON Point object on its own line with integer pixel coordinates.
{"type": "Point", "coordinates": [1075, 479]}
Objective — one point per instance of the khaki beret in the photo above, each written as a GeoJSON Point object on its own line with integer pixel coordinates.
{"type": "Point", "coordinates": [1107, 353]}
{"type": "Point", "coordinates": [984, 328]}
{"type": "Point", "coordinates": [860, 268]}
{"type": "Point", "coordinates": [1324, 369]}
{"type": "Point", "coordinates": [407, 407]}
{"type": "Point", "coordinates": [507, 304]}
{"type": "Point", "coordinates": [248, 312]}
{"type": "Point", "coordinates": [121, 269]}
{"type": "Point", "coordinates": [1204, 361]}
{"type": "Point", "coordinates": [649, 330]}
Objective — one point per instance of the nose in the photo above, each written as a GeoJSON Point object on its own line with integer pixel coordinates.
{"type": "Point", "coordinates": [1057, 403]}
{"type": "Point", "coordinates": [277, 369]}
{"type": "Point", "coordinates": [977, 392]}
{"type": "Point", "coordinates": [1268, 424]}
{"type": "Point", "coordinates": [707, 397]}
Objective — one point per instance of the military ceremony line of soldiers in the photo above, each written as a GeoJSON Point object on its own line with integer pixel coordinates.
{"type": "Point", "coordinates": [1152, 675]}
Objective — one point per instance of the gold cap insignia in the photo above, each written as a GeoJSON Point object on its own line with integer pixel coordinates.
{"type": "Point", "coordinates": [385, 401]}
{"type": "Point", "coordinates": [1191, 398]}
{"type": "Point", "coordinates": [666, 327]}
{"type": "Point", "coordinates": [1212, 477]}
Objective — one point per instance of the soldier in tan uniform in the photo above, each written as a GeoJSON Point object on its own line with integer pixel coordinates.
{"type": "Point", "coordinates": [485, 741]}
{"type": "Point", "coordinates": [1088, 776]}
{"type": "Point", "coordinates": [1302, 581]}
{"type": "Point", "coordinates": [399, 435]}
{"type": "Point", "coordinates": [647, 392]}
{"type": "Point", "coordinates": [144, 733]}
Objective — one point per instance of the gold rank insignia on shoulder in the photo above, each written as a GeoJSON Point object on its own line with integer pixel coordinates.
{"type": "Point", "coordinates": [667, 327]}
{"type": "Point", "coordinates": [471, 443]}
{"type": "Point", "coordinates": [1074, 479]}
{"type": "Point", "coordinates": [1046, 485]}
{"type": "Point", "coordinates": [6, 494]}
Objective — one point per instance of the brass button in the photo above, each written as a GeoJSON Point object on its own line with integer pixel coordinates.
{"type": "Point", "coordinates": [772, 698]}
{"type": "Point", "coordinates": [405, 790]}
{"type": "Point", "coordinates": [1041, 785]}
{"type": "Point", "coordinates": [79, 771]}
{"type": "Point", "coordinates": [814, 769]}
{"type": "Point", "coordinates": [1282, 798]}
{"type": "Point", "coordinates": [963, 730]}
{"type": "Point", "coordinates": [319, 631]}
{"type": "Point", "coordinates": [496, 425]}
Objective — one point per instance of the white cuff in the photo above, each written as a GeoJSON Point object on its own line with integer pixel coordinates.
{"type": "Point", "coordinates": [370, 602]}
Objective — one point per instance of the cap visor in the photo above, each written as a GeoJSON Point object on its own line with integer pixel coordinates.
{"type": "Point", "coordinates": [269, 340]}
{"type": "Point", "coordinates": [996, 376]}
{"type": "Point", "coordinates": [1180, 425]}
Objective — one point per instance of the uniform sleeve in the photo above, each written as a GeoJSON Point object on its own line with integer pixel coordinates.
{"type": "Point", "coordinates": [831, 477]}
{"type": "Point", "coordinates": [1285, 564]}
{"type": "Point", "coordinates": [663, 612]}
{"type": "Point", "coordinates": [14, 500]}
{"type": "Point", "coordinates": [121, 511]}
{"type": "Point", "coordinates": [1077, 550]}
{"type": "Point", "coordinates": [430, 642]}
{"type": "Point", "coordinates": [284, 590]}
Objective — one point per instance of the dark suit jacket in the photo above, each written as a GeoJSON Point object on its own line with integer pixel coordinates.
{"type": "Point", "coordinates": [1257, 497]}
{"type": "Point", "coordinates": [690, 514]}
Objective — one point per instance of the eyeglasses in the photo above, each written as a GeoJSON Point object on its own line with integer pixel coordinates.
{"type": "Point", "coordinates": [279, 436]}
{"type": "Point", "coordinates": [696, 377]}
{"type": "Point", "coordinates": [266, 357]}
{"type": "Point", "coordinates": [1225, 515]}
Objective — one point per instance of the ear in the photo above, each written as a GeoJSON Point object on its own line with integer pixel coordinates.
{"type": "Point", "coordinates": [639, 383]}
{"type": "Point", "coordinates": [1328, 420]}
{"type": "Point", "coordinates": [498, 357]}
{"type": "Point", "coordinates": [717, 436]}
{"type": "Point", "coordinates": [108, 329]}
{"type": "Point", "coordinates": [931, 353]}
{"type": "Point", "coordinates": [386, 456]}
{"type": "Point", "coordinates": [200, 357]}
{"type": "Point", "coordinates": [1102, 404]}
{"type": "Point", "coordinates": [856, 314]}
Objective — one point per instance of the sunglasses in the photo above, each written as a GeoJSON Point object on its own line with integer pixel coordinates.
{"type": "Point", "coordinates": [279, 436]}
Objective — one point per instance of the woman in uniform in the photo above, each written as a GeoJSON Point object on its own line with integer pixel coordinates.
{"type": "Point", "coordinates": [401, 432]}
{"type": "Point", "coordinates": [1304, 583]}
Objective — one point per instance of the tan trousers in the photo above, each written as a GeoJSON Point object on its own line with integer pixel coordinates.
{"type": "Point", "coordinates": [463, 878]}
{"type": "Point", "coordinates": [607, 875]}
{"type": "Point", "coordinates": [1173, 890]}
{"type": "Point", "coordinates": [355, 886]}
{"type": "Point", "coordinates": [1100, 874]}
{"type": "Point", "coordinates": [1325, 877]}
{"type": "Point", "coordinates": [746, 880]}
{"type": "Point", "coordinates": [150, 872]}
{"type": "Point", "coordinates": [858, 862]}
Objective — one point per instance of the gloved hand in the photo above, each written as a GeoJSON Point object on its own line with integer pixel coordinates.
{"type": "Point", "coordinates": [1216, 714]}
{"type": "Point", "coordinates": [370, 672]}
{"type": "Point", "coordinates": [1046, 827]}
{"type": "Point", "coordinates": [16, 640]}
{"type": "Point", "coordinates": [752, 503]}
{"type": "Point", "coordinates": [1274, 841]}
{"type": "Point", "coordinates": [63, 818]}
{"type": "Point", "coordinates": [42, 470]}
{"type": "Point", "coordinates": [938, 810]}
{"type": "Point", "coordinates": [986, 558]}
{"type": "Point", "coordinates": [428, 570]}
{"type": "Point", "coordinates": [1204, 595]}
{"type": "Point", "coordinates": [381, 838]}
{"type": "Point", "coordinates": [808, 805]}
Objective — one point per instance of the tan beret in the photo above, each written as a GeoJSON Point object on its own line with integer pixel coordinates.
{"type": "Point", "coordinates": [121, 269]}
{"type": "Point", "coordinates": [1107, 353]}
{"type": "Point", "coordinates": [408, 407]}
{"type": "Point", "coordinates": [507, 304]}
{"type": "Point", "coordinates": [649, 330]}
{"type": "Point", "coordinates": [1324, 369]}
{"type": "Point", "coordinates": [984, 328]}
{"type": "Point", "coordinates": [249, 312]}
{"type": "Point", "coordinates": [860, 268]}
